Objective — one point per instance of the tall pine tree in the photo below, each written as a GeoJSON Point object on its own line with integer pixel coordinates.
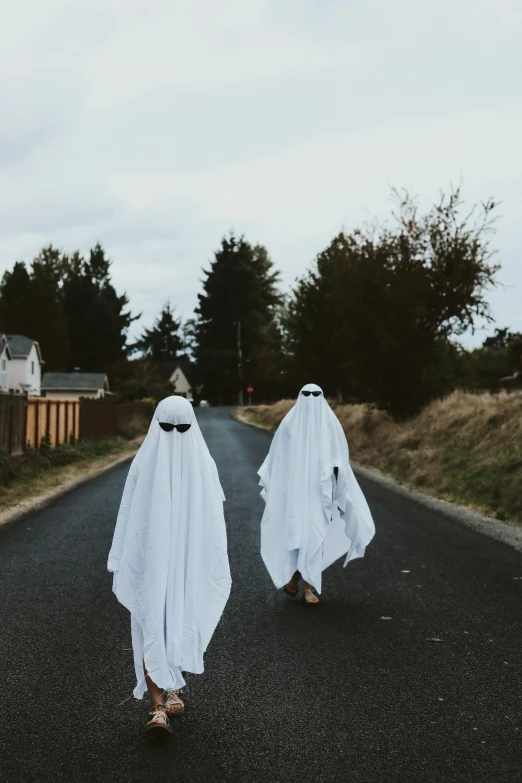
{"type": "Point", "coordinates": [163, 342]}
{"type": "Point", "coordinates": [240, 288]}
{"type": "Point", "coordinates": [98, 317]}
{"type": "Point", "coordinates": [14, 295]}
{"type": "Point", "coordinates": [70, 306]}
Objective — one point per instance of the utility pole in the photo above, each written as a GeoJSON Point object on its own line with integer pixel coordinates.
{"type": "Point", "coordinates": [239, 365]}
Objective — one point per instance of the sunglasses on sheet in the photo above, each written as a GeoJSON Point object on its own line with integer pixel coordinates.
{"type": "Point", "coordinates": [308, 393]}
{"type": "Point", "coordinates": [169, 427]}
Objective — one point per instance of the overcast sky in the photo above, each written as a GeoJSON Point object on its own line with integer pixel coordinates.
{"type": "Point", "coordinates": [157, 126]}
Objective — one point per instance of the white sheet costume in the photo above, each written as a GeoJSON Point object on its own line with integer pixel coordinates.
{"type": "Point", "coordinates": [311, 518]}
{"type": "Point", "coordinates": [169, 552]}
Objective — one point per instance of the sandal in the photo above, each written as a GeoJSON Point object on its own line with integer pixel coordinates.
{"type": "Point", "coordinates": [173, 704]}
{"type": "Point", "coordinates": [292, 588]}
{"type": "Point", "coordinates": [310, 596]}
{"type": "Point", "coordinates": [158, 724]}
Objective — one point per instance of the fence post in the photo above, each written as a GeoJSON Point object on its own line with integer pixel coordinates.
{"type": "Point", "coordinates": [24, 425]}
{"type": "Point", "coordinates": [10, 435]}
{"type": "Point", "coordinates": [57, 424]}
{"type": "Point", "coordinates": [36, 423]}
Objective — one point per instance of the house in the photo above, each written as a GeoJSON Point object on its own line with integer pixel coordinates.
{"type": "Point", "coordinates": [24, 368]}
{"type": "Point", "coordinates": [180, 383]}
{"type": "Point", "coordinates": [73, 385]}
{"type": "Point", "coordinates": [5, 357]}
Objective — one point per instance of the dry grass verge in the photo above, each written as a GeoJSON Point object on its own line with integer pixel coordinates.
{"type": "Point", "coordinates": [466, 448]}
{"type": "Point", "coordinates": [33, 479]}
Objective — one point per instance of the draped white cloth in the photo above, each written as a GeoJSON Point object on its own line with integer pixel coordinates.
{"type": "Point", "coordinates": [311, 518]}
{"type": "Point", "coordinates": [169, 552]}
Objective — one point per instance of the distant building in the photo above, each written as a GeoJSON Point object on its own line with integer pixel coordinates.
{"type": "Point", "coordinates": [22, 360]}
{"type": "Point", "coordinates": [180, 383]}
{"type": "Point", "coordinates": [5, 357]}
{"type": "Point", "coordinates": [73, 385]}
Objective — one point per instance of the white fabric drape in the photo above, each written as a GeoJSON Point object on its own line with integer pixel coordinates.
{"type": "Point", "coordinates": [169, 552]}
{"type": "Point", "coordinates": [311, 518]}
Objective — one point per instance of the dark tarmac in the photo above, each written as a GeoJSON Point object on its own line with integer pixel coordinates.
{"type": "Point", "coordinates": [357, 689]}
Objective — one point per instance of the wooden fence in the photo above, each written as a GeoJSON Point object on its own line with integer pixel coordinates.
{"type": "Point", "coordinates": [13, 418]}
{"type": "Point", "coordinates": [98, 419]}
{"type": "Point", "coordinates": [58, 420]}
{"type": "Point", "coordinates": [31, 420]}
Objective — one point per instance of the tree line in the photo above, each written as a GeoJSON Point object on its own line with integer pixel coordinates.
{"type": "Point", "coordinates": [376, 317]}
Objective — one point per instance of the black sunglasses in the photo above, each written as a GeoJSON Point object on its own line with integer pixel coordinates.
{"type": "Point", "coordinates": [308, 393]}
{"type": "Point", "coordinates": [169, 427]}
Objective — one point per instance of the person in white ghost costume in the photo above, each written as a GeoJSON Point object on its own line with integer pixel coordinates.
{"type": "Point", "coordinates": [315, 510]}
{"type": "Point", "coordinates": [169, 556]}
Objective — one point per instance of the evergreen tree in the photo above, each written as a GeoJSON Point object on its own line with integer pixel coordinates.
{"type": "Point", "coordinates": [163, 342]}
{"type": "Point", "coordinates": [240, 296]}
{"type": "Point", "coordinates": [30, 305]}
{"type": "Point", "coordinates": [46, 320]}
{"type": "Point", "coordinates": [97, 316]}
{"type": "Point", "coordinates": [70, 306]}
{"type": "Point", "coordinates": [14, 293]}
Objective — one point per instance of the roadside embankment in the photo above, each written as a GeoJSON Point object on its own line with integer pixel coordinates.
{"type": "Point", "coordinates": [465, 448]}
{"type": "Point", "coordinates": [39, 476]}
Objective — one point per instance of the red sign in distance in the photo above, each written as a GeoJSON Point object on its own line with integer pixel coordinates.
{"type": "Point", "coordinates": [250, 389]}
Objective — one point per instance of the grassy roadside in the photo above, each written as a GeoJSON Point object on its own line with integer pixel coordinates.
{"type": "Point", "coordinates": [40, 472]}
{"type": "Point", "coordinates": [466, 448]}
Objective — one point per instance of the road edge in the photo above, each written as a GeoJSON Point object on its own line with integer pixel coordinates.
{"type": "Point", "coordinates": [463, 515]}
{"type": "Point", "coordinates": [18, 512]}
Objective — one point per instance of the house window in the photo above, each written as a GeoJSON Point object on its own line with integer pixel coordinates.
{"type": "Point", "coordinates": [32, 368]}
{"type": "Point", "coordinates": [3, 365]}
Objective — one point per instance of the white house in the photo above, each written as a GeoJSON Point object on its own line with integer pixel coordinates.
{"type": "Point", "coordinates": [5, 358]}
{"type": "Point", "coordinates": [24, 369]}
{"type": "Point", "coordinates": [73, 385]}
{"type": "Point", "coordinates": [180, 383]}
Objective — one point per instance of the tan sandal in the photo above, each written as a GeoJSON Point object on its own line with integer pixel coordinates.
{"type": "Point", "coordinates": [310, 596]}
{"type": "Point", "coordinates": [173, 704]}
{"type": "Point", "coordinates": [159, 723]}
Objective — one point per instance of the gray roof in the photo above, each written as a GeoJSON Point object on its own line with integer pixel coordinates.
{"type": "Point", "coordinates": [21, 346]}
{"type": "Point", "coordinates": [76, 381]}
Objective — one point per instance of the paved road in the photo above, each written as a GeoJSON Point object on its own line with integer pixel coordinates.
{"type": "Point", "coordinates": [290, 693]}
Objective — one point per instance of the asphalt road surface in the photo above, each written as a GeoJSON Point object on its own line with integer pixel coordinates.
{"type": "Point", "coordinates": [410, 670]}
